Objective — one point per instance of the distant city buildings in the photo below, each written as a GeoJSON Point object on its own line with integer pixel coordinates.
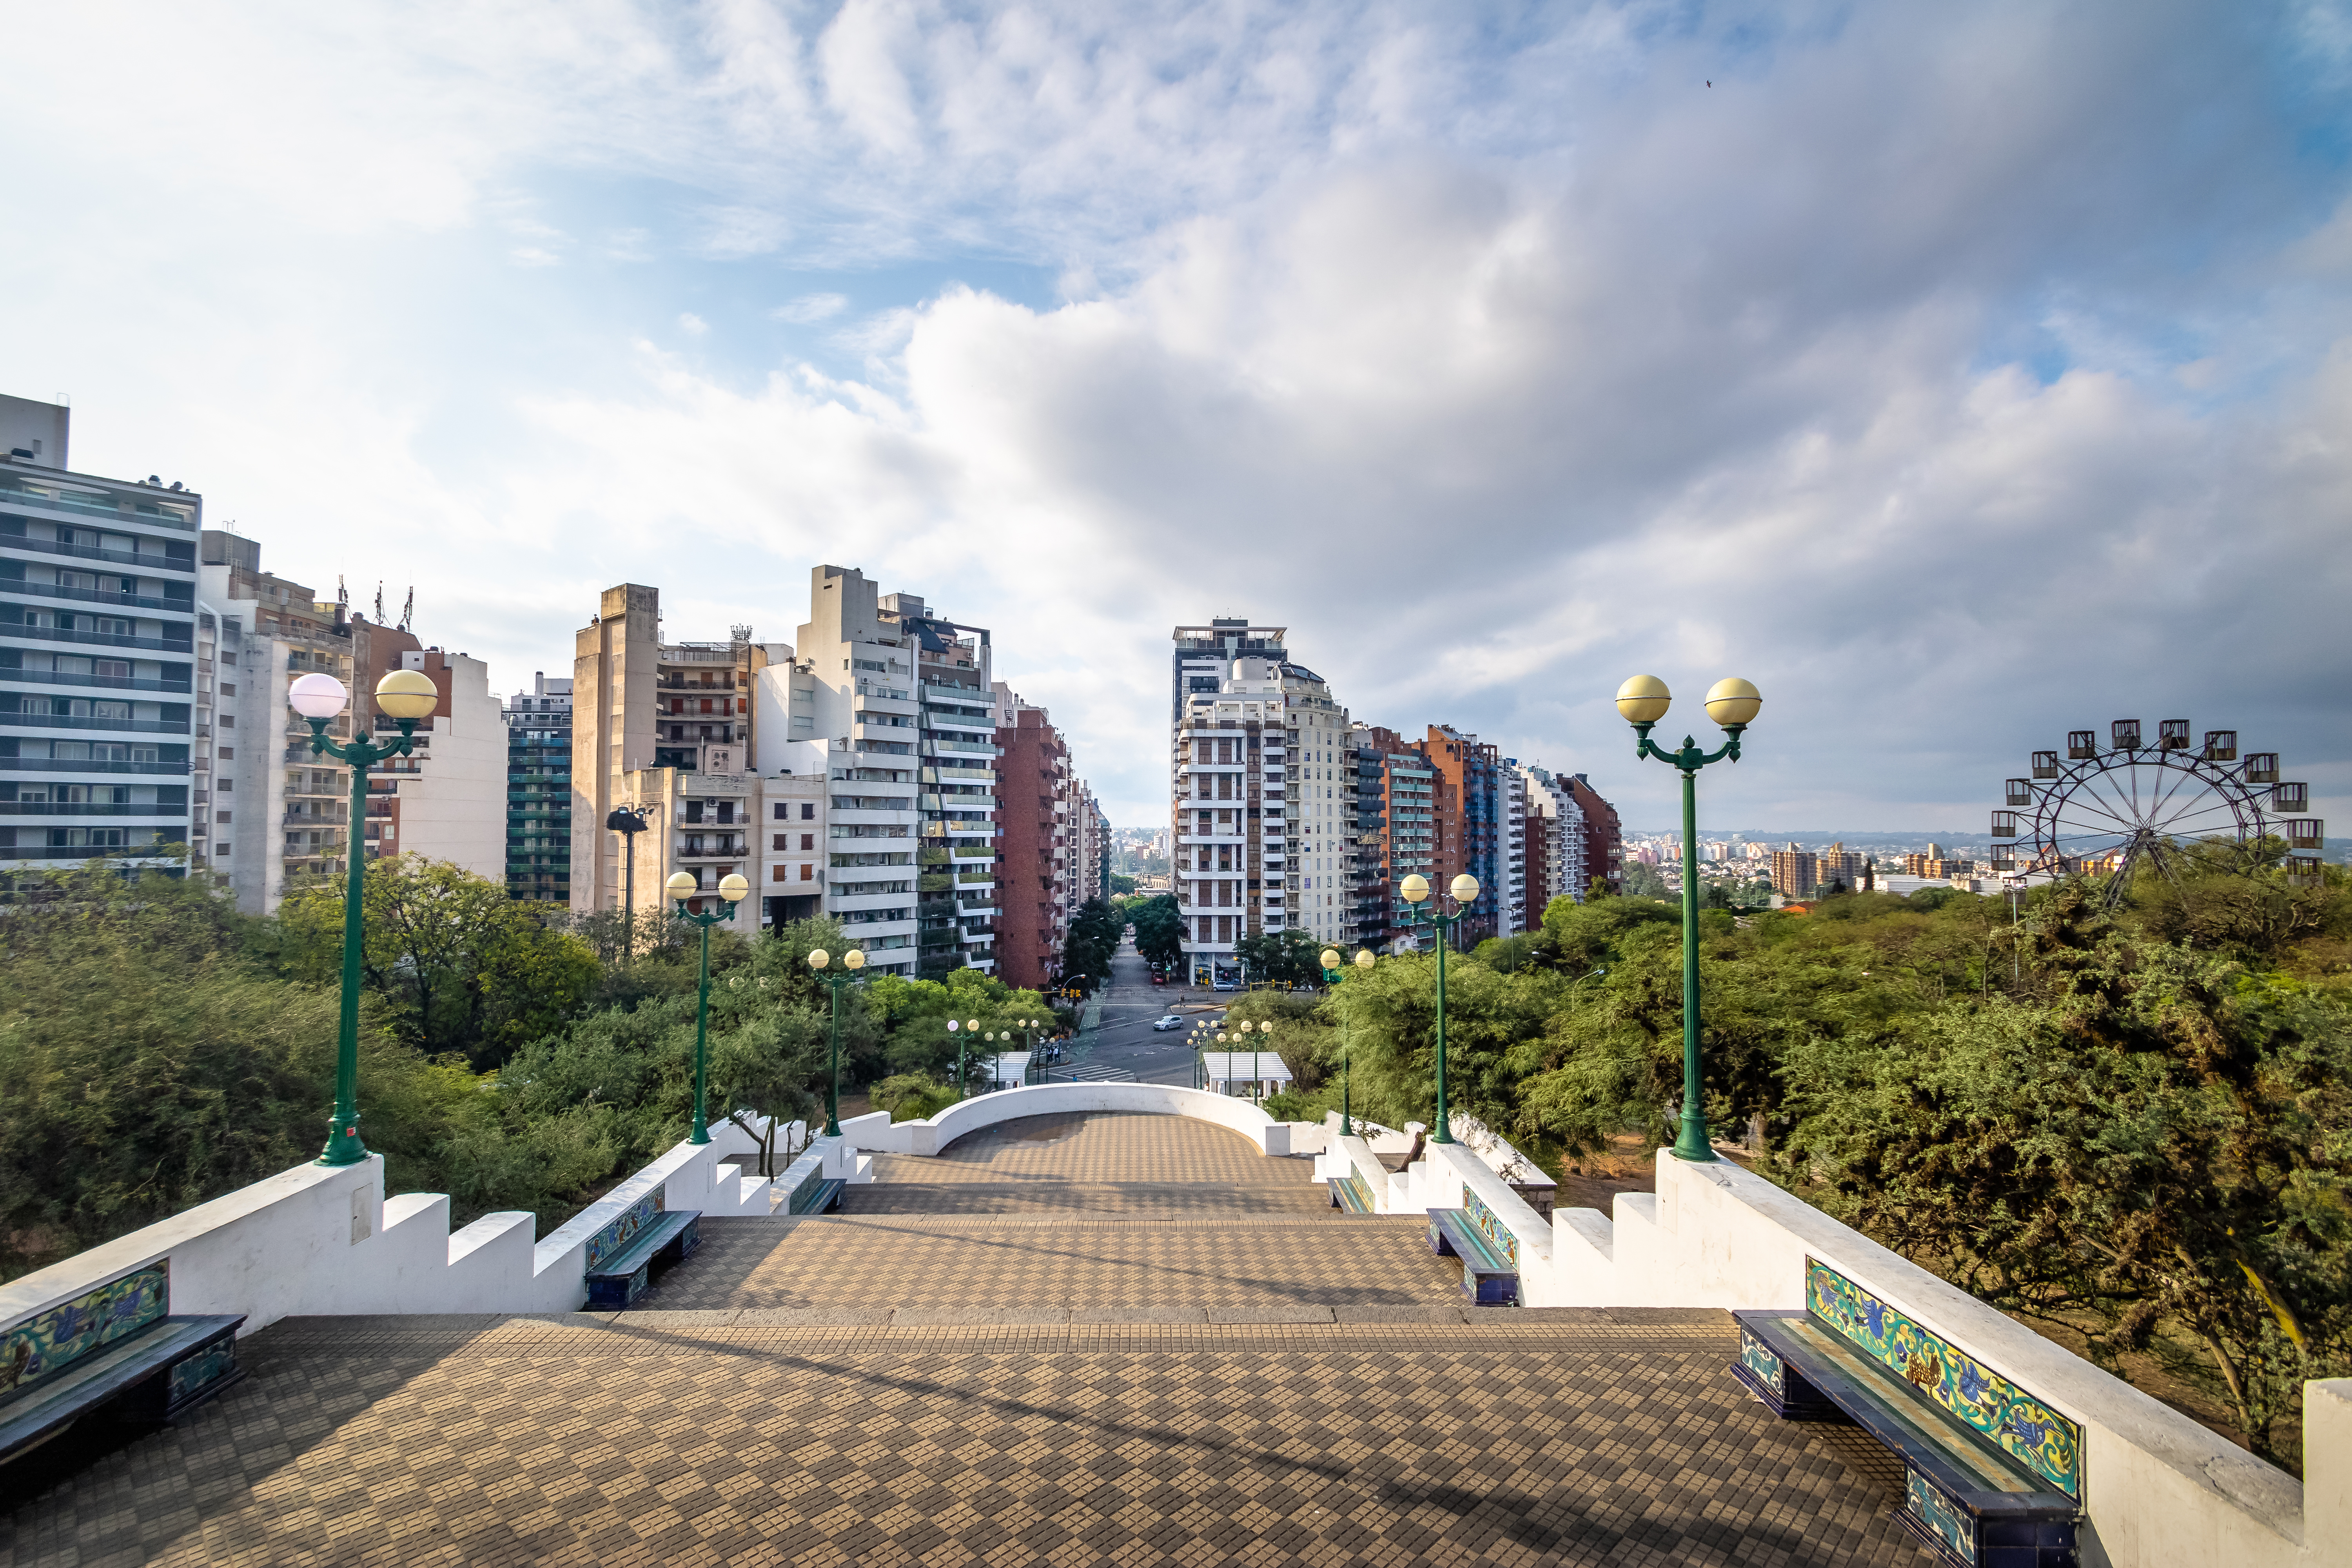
{"type": "Point", "coordinates": [277, 812]}
{"type": "Point", "coordinates": [1288, 814]}
{"type": "Point", "coordinates": [871, 771]}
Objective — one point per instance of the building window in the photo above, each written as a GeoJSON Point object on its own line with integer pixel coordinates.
{"type": "Point", "coordinates": [808, 871]}
{"type": "Point", "coordinates": [808, 842]}
{"type": "Point", "coordinates": [783, 814]}
{"type": "Point", "coordinates": [808, 811]}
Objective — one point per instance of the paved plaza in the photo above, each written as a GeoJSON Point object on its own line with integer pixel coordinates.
{"type": "Point", "coordinates": [1056, 1367]}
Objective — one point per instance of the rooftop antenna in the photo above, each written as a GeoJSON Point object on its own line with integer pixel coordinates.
{"type": "Point", "coordinates": [408, 610]}
{"type": "Point", "coordinates": [342, 594]}
{"type": "Point", "coordinates": [379, 601]}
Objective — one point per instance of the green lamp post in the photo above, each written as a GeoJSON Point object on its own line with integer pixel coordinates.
{"type": "Point", "coordinates": [1331, 975]}
{"type": "Point", "coordinates": [1463, 889]}
{"type": "Point", "coordinates": [682, 886]}
{"type": "Point", "coordinates": [1732, 703]}
{"type": "Point", "coordinates": [852, 962]}
{"type": "Point", "coordinates": [406, 696]}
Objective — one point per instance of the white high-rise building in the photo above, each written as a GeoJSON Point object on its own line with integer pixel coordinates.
{"type": "Point", "coordinates": [1553, 813]}
{"type": "Point", "coordinates": [1262, 801]}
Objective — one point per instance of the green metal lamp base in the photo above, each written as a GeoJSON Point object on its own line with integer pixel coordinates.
{"type": "Point", "coordinates": [1693, 1144]}
{"type": "Point", "coordinates": [344, 1145]}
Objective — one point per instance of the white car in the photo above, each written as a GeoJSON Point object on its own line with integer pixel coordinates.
{"type": "Point", "coordinates": [1168, 1021]}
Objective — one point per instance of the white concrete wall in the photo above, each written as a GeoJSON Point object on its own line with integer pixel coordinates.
{"type": "Point", "coordinates": [324, 1241]}
{"type": "Point", "coordinates": [454, 807]}
{"type": "Point", "coordinates": [2158, 1488]}
{"type": "Point", "coordinates": [933, 1135]}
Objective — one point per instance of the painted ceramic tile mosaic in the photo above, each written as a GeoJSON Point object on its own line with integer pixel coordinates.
{"type": "Point", "coordinates": [54, 1340]}
{"type": "Point", "coordinates": [1762, 1362]}
{"type": "Point", "coordinates": [2021, 1425]}
{"type": "Point", "coordinates": [207, 1366]}
{"type": "Point", "coordinates": [1491, 1227]}
{"type": "Point", "coordinates": [1940, 1517]}
{"type": "Point", "coordinates": [617, 1234]}
{"type": "Point", "coordinates": [1358, 1185]}
{"type": "Point", "coordinates": [798, 1202]}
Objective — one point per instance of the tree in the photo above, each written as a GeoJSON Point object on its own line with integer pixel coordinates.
{"type": "Point", "coordinates": [1644, 880]}
{"type": "Point", "coordinates": [1093, 939]}
{"type": "Point", "coordinates": [1159, 930]}
{"type": "Point", "coordinates": [2161, 1155]}
{"type": "Point", "coordinates": [462, 967]}
{"type": "Point", "coordinates": [148, 1063]}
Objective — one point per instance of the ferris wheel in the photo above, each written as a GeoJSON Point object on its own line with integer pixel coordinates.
{"type": "Point", "coordinates": [2105, 810]}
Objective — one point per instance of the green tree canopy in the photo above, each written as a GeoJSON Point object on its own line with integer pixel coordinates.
{"type": "Point", "coordinates": [461, 966]}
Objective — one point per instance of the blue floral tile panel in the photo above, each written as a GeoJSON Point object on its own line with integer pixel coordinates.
{"type": "Point", "coordinates": [2021, 1425]}
{"type": "Point", "coordinates": [621, 1231]}
{"type": "Point", "coordinates": [1490, 1225]}
{"type": "Point", "coordinates": [50, 1341]}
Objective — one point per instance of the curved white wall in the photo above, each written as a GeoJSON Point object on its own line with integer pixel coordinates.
{"type": "Point", "coordinates": [928, 1137]}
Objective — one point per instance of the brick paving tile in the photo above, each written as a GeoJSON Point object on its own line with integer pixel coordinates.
{"type": "Point", "coordinates": [1010, 1353]}
{"type": "Point", "coordinates": [1564, 1438]}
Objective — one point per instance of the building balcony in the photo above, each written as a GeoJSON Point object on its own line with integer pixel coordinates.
{"type": "Point", "coordinates": [872, 818]}
{"type": "Point", "coordinates": [24, 491]}
{"type": "Point", "coordinates": [104, 596]}
{"type": "Point", "coordinates": [976, 879]}
{"type": "Point", "coordinates": [102, 682]}
{"type": "Point", "coordinates": [183, 645]}
{"type": "Point", "coordinates": [23, 721]}
{"type": "Point", "coordinates": [21, 808]}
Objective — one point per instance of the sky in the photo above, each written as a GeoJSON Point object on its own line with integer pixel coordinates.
{"type": "Point", "coordinates": [1960, 376]}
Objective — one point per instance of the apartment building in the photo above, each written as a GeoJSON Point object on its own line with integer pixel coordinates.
{"type": "Point", "coordinates": [1230, 747]}
{"type": "Point", "coordinates": [539, 792]}
{"type": "Point", "coordinates": [1604, 838]}
{"type": "Point", "coordinates": [1040, 878]}
{"type": "Point", "coordinates": [98, 654]}
{"type": "Point", "coordinates": [793, 880]}
{"type": "Point", "coordinates": [905, 697]}
{"type": "Point", "coordinates": [1400, 799]}
{"type": "Point", "coordinates": [1840, 870]}
{"type": "Point", "coordinates": [277, 813]}
{"type": "Point", "coordinates": [1470, 836]}
{"type": "Point", "coordinates": [850, 772]}
{"type": "Point", "coordinates": [1795, 872]}
{"type": "Point", "coordinates": [1556, 841]}
{"type": "Point", "coordinates": [664, 730]}
{"type": "Point", "coordinates": [1514, 896]}
{"type": "Point", "coordinates": [1317, 799]}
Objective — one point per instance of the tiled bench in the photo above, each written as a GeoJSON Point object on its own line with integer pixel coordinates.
{"type": "Point", "coordinates": [1351, 1192]}
{"type": "Point", "coordinates": [621, 1256]}
{"type": "Point", "coordinates": [1488, 1251]}
{"type": "Point", "coordinates": [117, 1350]}
{"type": "Point", "coordinates": [1992, 1477]}
{"type": "Point", "coordinates": [817, 1193]}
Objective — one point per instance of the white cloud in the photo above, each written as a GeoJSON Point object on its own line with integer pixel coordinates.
{"type": "Point", "coordinates": [811, 307]}
{"type": "Point", "coordinates": [1498, 359]}
{"type": "Point", "coordinates": [692, 325]}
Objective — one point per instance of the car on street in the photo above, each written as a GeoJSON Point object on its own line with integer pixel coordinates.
{"type": "Point", "coordinates": [1168, 1021]}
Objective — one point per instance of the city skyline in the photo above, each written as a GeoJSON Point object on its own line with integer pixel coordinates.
{"type": "Point", "coordinates": [1978, 430]}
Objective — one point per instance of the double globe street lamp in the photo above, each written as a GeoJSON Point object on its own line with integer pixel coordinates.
{"type": "Point", "coordinates": [404, 696]}
{"type": "Point", "coordinates": [1733, 703]}
{"type": "Point", "coordinates": [1463, 889]}
{"type": "Point", "coordinates": [733, 888]}
{"type": "Point", "coordinates": [1331, 975]}
{"type": "Point", "coordinates": [852, 961]}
